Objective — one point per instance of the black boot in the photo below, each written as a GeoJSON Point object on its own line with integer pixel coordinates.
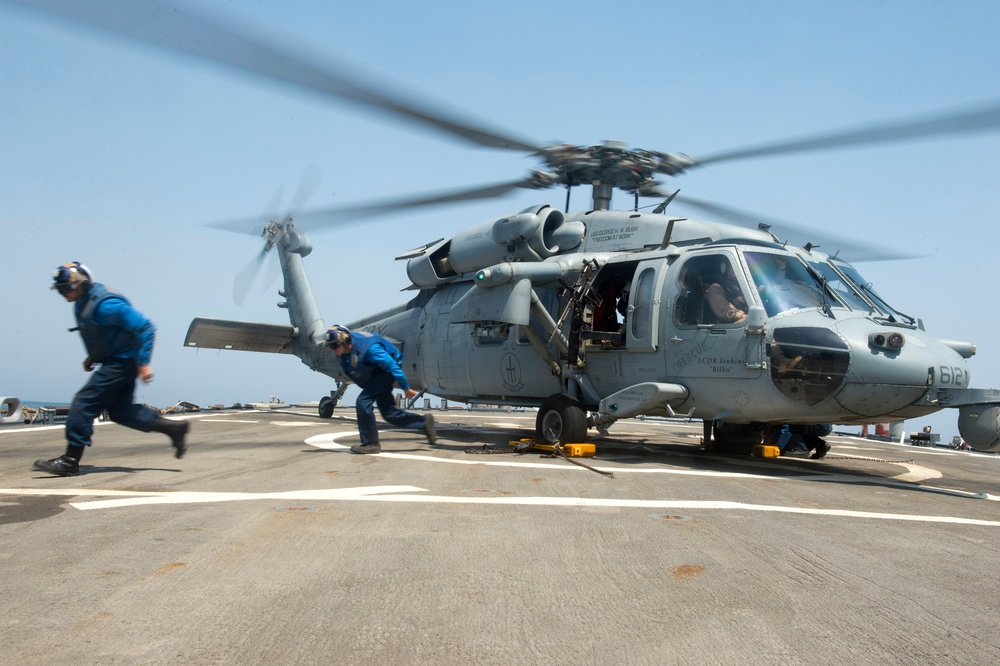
{"type": "Point", "coordinates": [429, 430]}
{"type": "Point", "coordinates": [821, 450]}
{"type": "Point", "coordinates": [175, 430]}
{"type": "Point", "coordinates": [61, 466]}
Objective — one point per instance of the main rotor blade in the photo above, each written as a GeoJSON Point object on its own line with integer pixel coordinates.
{"type": "Point", "coordinates": [851, 249]}
{"type": "Point", "coordinates": [962, 122]}
{"type": "Point", "coordinates": [179, 28]}
{"type": "Point", "coordinates": [329, 217]}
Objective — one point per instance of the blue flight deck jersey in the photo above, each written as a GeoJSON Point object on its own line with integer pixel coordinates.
{"type": "Point", "coordinates": [111, 327]}
{"type": "Point", "coordinates": [370, 352]}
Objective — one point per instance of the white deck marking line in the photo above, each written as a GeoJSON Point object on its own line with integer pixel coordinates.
{"type": "Point", "coordinates": [42, 428]}
{"type": "Point", "coordinates": [917, 473]}
{"type": "Point", "coordinates": [296, 424]}
{"type": "Point", "coordinates": [327, 441]}
{"type": "Point", "coordinates": [184, 497]}
{"type": "Point", "coordinates": [390, 494]}
{"type": "Point", "coordinates": [384, 494]}
{"type": "Point", "coordinates": [77, 492]}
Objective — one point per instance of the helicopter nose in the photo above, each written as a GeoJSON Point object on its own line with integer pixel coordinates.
{"type": "Point", "coordinates": [870, 370]}
{"type": "Point", "coordinates": [891, 369]}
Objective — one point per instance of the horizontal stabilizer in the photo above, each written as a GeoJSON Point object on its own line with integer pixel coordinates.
{"type": "Point", "coordinates": [241, 336]}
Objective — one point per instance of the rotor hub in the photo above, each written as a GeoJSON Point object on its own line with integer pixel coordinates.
{"type": "Point", "coordinates": [613, 164]}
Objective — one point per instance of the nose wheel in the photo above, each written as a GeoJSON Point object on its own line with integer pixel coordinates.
{"type": "Point", "coordinates": [328, 402]}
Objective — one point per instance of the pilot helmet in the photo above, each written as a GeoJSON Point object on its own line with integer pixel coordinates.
{"type": "Point", "coordinates": [336, 336]}
{"type": "Point", "coordinates": [72, 276]}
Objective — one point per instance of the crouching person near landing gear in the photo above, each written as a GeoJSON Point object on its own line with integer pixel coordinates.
{"type": "Point", "coordinates": [802, 440]}
{"type": "Point", "coordinates": [372, 362]}
{"type": "Point", "coordinates": [119, 340]}
{"type": "Point", "coordinates": [813, 436]}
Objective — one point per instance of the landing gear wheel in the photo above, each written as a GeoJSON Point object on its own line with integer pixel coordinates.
{"type": "Point", "coordinates": [737, 437]}
{"type": "Point", "coordinates": [326, 405]}
{"type": "Point", "coordinates": [561, 418]}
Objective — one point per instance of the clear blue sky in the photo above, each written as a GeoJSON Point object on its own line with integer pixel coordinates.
{"type": "Point", "coordinates": [115, 154]}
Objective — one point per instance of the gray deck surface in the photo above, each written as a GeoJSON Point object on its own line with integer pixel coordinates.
{"type": "Point", "coordinates": [270, 543]}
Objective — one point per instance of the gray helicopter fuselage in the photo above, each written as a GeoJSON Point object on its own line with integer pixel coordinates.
{"type": "Point", "coordinates": [726, 369]}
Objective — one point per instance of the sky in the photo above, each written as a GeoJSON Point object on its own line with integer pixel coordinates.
{"type": "Point", "coordinates": [118, 155]}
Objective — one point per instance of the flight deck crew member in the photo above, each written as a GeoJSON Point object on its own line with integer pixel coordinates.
{"type": "Point", "coordinates": [118, 339]}
{"type": "Point", "coordinates": [372, 362]}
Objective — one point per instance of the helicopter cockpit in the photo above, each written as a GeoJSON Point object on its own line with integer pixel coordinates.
{"type": "Point", "coordinates": [785, 282]}
{"type": "Point", "coordinates": [807, 356]}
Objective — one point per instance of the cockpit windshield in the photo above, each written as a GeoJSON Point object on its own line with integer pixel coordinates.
{"type": "Point", "coordinates": [839, 284]}
{"type": "Point", "coordinates": [784, 283]}
{"type": "Point", "coordinates": [865, 288]}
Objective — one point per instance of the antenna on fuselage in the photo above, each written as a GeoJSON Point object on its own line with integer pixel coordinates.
{"type": "Point", "coordinates": [666, 202]}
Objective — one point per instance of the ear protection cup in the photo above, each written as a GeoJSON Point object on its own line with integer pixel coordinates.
{"type": "Point", "coordinates": [72, 276]}
{"type": "Point", "coordinates": [337, 335]}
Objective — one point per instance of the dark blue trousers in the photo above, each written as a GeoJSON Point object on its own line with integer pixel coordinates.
{"type": "Point", "coordinates": [378, 391]}
{"type": "Point", "coordinates": [111, 387]}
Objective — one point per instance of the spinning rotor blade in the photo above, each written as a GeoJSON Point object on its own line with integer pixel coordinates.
{"type": "Point", "coordinates": [269, 213]}
{"type": "Point", "coordinates": [330, 217]}
{"type": "Point", "coordinates": [194, 31]}
{"type": "Point", "coordinates": [246, 277]}
{"type": "Point", "coordinates": [184, 29]}
{"type": "Point", "coordinates": [800, 235]}
{"type": "Point", "coordinates": [308, 185]}
{"type": "Point", "coordinates": [953, 123]}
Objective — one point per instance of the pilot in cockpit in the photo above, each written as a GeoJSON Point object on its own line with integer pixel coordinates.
{"type": "Point", "coordinates": [725, 297]}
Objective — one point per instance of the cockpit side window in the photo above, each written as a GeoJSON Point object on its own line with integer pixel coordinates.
{"type": "Point", "coordinates": [710, 293]}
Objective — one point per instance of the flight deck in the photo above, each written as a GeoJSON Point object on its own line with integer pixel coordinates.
{"type": "Point", "coordinates": [269, 542]}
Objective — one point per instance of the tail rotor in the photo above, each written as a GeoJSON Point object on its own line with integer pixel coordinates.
{"type": "Point", "coordinates": [272, 227]}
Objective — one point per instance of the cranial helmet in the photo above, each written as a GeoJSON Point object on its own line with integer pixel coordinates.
{"type": "Point", "coordinates": [72, 276]}
{"type": "Point", "coordinates": [336, 336]}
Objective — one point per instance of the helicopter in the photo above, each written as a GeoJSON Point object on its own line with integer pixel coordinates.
{"type": "Point", "coordinates": [516, 310]}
